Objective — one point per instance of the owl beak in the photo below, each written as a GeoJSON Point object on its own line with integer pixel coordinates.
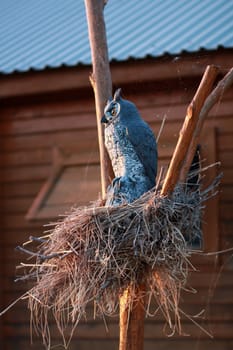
{"type": "Point", "coordinates": [104, 120]}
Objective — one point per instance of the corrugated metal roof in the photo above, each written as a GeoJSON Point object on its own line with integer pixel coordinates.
{"type": "Point", "coordinates": [35, 34]}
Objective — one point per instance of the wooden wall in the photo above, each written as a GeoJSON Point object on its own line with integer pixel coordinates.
{"type": "Point", "coordinates": [30, 130]}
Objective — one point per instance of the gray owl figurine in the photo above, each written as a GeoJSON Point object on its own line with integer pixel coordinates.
{"type": "Point", "coordinates": [132, 148]}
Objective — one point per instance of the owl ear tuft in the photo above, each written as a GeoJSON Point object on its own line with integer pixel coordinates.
{"type": "Point", "coordinates": [117, 95]}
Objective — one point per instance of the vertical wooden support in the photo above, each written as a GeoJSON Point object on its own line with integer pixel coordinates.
{"type": "Point", "coordinates": [132, 314]}
{"type": "Point", "coordinates": [131, 319]}
{"type": "Point", "coordinates": [100, 78]}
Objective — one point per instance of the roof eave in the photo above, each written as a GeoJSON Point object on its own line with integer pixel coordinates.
{"type": "Point", "coordinates": [133, 71]}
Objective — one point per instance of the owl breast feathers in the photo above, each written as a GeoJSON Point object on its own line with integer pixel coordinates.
{"type": "Point", "coordinates": [132, 148]}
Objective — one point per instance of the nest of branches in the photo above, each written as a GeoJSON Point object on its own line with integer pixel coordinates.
{"type": "Point", "coordinates": [96, 252]}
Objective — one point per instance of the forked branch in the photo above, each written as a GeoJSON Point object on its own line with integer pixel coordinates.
{"type": "Point", "coordinates": [188, 128]}
{"type": "Point", "coordinates": [210, 101]}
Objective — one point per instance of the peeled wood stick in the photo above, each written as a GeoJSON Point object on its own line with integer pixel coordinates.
{"type": "Point", "coordinates": [214, 97]}
{"type": "Point", "coordinates": [222, 86]}
{"type": "Point", "coordinates": [131, 333]}
{"type": "Point", "coordinates": [100, 78]}
{"type": "Point", "coordinates": [132, 314]}
{"type": "Point", "coordinates": [188, 128]}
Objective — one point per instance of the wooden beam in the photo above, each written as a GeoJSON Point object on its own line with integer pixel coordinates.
{"type": "Point", "coordinates": [62, 79]}
{"type": "Point", "coordinates": [46, 81]}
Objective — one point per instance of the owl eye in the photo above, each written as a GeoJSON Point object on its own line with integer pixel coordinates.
{"type": "Point", "coordinates": [114, 111]}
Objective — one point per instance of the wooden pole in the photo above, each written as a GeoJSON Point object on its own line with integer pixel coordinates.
{"type": "Point", "coordinates": [131, 319]}
{"type": "Point", "coordinates": [132, 314]}
{"type": "Point", "coordinates": [101, 77]}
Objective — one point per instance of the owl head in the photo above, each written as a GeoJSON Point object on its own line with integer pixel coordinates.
{"type": "Point", "coordinates": [120, 110]}
{"type": "Point", "coordinates": [112, 108]}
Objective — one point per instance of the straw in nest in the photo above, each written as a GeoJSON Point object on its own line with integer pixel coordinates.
{"type": "Point", "coordinates": [96, 252]}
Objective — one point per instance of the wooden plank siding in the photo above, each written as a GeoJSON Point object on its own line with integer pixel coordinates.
{"type": "Point", "coordinates": [29, 132]}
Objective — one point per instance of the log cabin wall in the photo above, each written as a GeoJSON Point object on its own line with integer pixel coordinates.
{"type": "Point", "coordinates": [35, 128]}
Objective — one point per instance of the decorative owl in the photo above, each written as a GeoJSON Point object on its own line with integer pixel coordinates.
{"type": "Point", "coordinates": [132, 148]}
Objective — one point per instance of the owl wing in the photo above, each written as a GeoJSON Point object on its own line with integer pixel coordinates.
{"type": "Point", "coordinates": [144, 143]}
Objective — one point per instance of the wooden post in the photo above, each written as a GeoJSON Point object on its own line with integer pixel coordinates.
{"type": "Point", "coordinates": [101, 77]}
{"type": "Point", "coordinates": [132, 314]}
{"type": "Point", "coordinates": [131, 319]}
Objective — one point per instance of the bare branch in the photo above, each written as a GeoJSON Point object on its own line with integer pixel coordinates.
{"type": "Point", "coordinates": [100, 78]}
{"type": "Point", "coordinates": [188, 128]}
{"type": "Point", "coordinates": [214, 97]}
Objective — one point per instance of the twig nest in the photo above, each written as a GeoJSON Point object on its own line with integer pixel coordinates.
{"type": "Point", "coordinates": [96, 252]}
